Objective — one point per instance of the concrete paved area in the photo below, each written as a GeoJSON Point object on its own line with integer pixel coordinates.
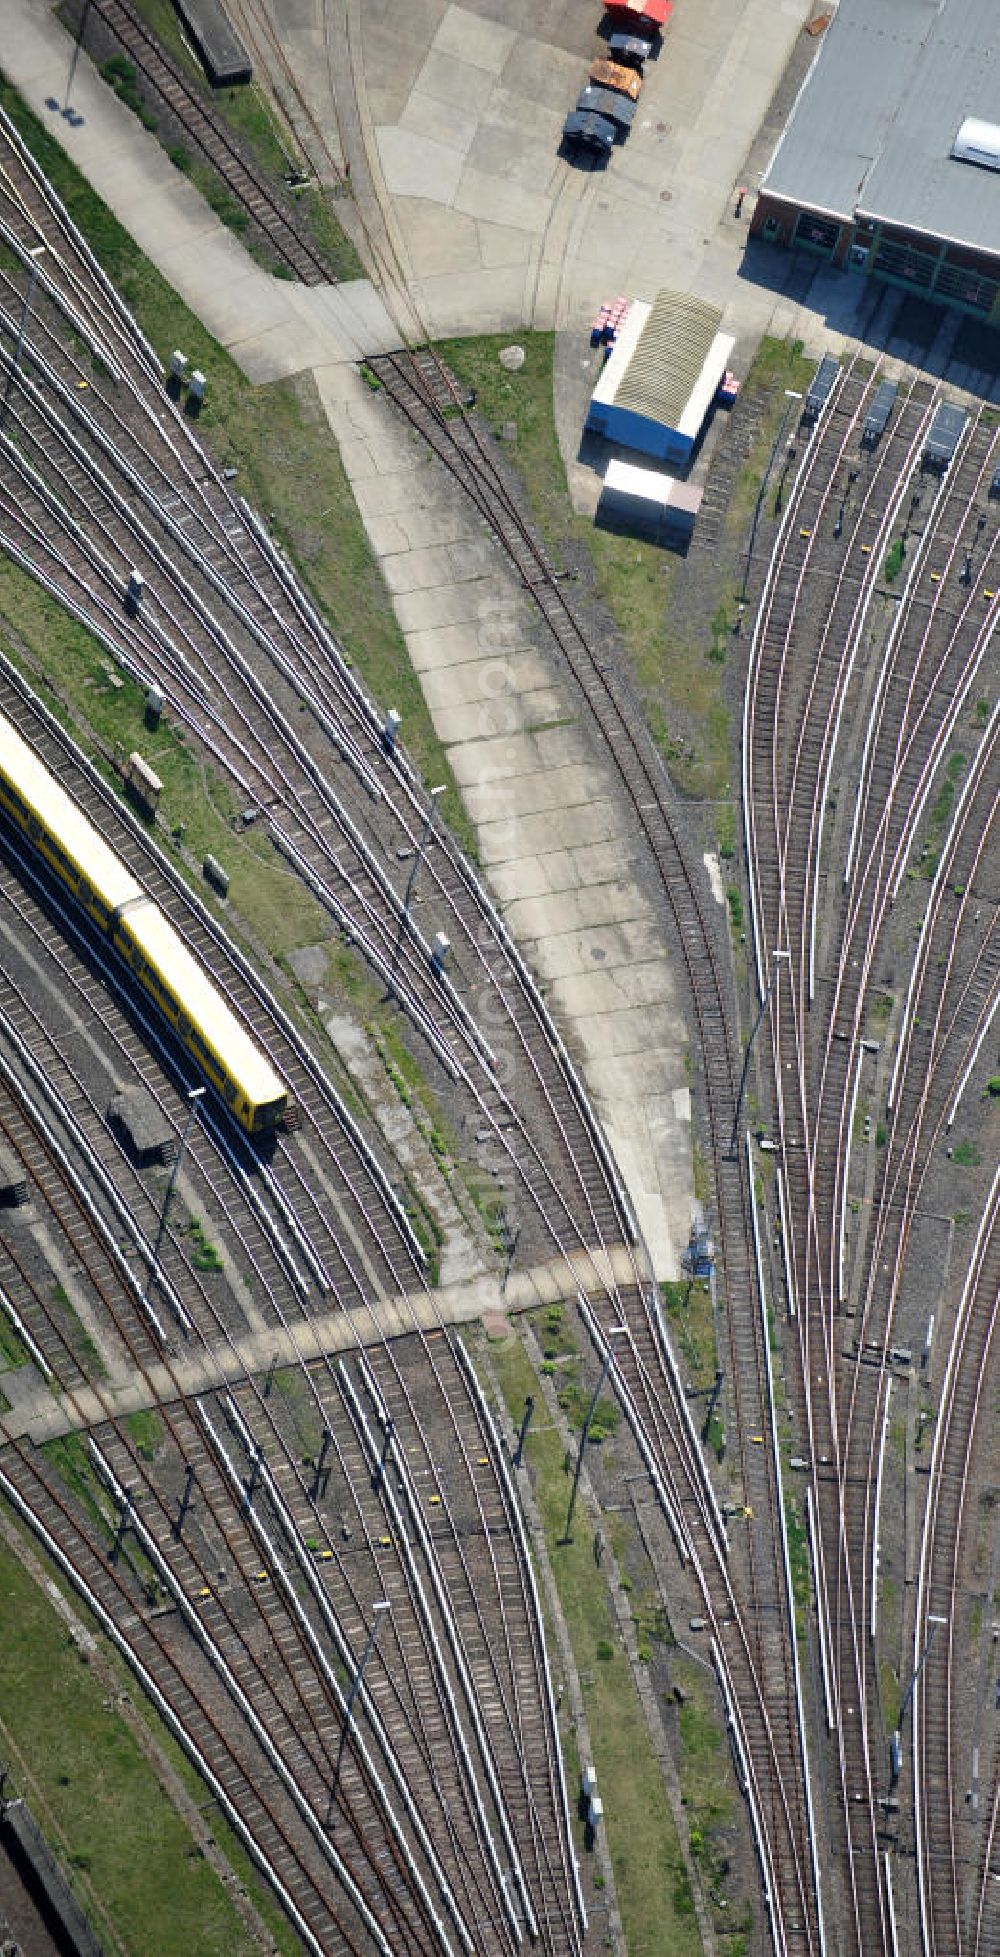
{"type": "Point", "coordinates": [462, 109]}
{"type": "Point", "coordinates": [553, 839]}
{"type": "Point", "coordinates": [38, 1415]}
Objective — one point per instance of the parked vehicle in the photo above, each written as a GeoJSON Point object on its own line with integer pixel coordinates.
{"type": "Point", "coordinates": [589, 131]}
{"type": "Point", "coordinates": [608, 74]}
{"type": "Point", "coordinates": [608, 103]}
{"type": "Point", "coordinates": [631, 50]}
{"type": "Point", "coordinates": [645, 16]}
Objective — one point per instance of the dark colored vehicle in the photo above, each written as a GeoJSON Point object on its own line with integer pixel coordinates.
{"type": "Point", "coordinates": [589, 131]}
{"type": "Point", "coordinates": [630, 49]}
{"type": "Point", "coordinates": [606, 102]}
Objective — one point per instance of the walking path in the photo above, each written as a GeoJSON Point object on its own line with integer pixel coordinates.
{"type": "Point", "coordinates": [38, 1415]}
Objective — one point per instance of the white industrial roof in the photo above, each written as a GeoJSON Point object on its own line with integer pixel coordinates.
{"type": "Point", "coordinates": [667, 362]}
{"type": "Point", "coordinates": [625, 479]}
{"type": "Point", "coordinates": [874, 124]}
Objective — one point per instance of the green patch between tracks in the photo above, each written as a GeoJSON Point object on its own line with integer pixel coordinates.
{"type": "Point", "coordinates": [651, 1879]}
{"type": "Point", "coordinates": [678, 650]}
{"type": "Point", "coordinates": [138, 1872]}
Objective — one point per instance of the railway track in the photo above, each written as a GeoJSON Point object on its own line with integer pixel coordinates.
{"type": "Point", "coordinates": [211, 135]}
{"type": "Point", "coordinates": [495, 1571]}
{"type": "Point", "coordinates": [778, 1761]}
{"type": "Point", "coordinates": [799, 718]}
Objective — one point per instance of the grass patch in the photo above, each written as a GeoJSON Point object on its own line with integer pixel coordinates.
{"type": "Point", "coordinates": [145, 1430]}
{"type": "Point", "coordinates": [706, 1789]}
{"type": "Point", "coordinates": [574, 1401]}
{"type": "Point", "coordinates": [204, 1255]}
{"type": "Point", "coordinates": [553, 1332]}
{"type": "Point", "coordinates": [798, 1560]}
{"type": "Point", "coordinates": [725, 831]}
{"type": "Point", "coordinates": [68, 1456]}
{"type": "Point", "coordinates": [651, 1879]}
{"type": "Point", "coordinates": [688, 1307]}
{"type": "Point", "coordinates": [12, 1352]}
{"type": "Point", "coordinates": [130, 1858]}
{"type": "Point", "coordinates": [966, 1154]}
{"type": "Point", "coordinates": [889, 1695]}
{"type": "Point", "coordinates": [894, 560]}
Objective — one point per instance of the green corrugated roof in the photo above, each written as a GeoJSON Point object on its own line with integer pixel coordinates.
{"type": "Point", "coordinates": [669, 355]}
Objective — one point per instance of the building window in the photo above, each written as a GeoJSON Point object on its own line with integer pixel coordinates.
{"type": "Point", "coordinates": [907, 263]}
{"type": "Point", "coordinates": [817, 233]}
{"type": "Point", "coordinates": [966, 286]}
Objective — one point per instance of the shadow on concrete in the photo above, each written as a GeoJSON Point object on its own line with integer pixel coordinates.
{"type": "Point", "coordinates": [579, 157]}
{"type": "Point", "coordinates": [906, 327]}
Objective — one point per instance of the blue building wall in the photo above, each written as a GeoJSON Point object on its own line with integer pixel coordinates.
{"type": "Point", "coordinates": [638, 432]}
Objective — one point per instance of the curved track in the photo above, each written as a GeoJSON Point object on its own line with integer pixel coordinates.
{"type": "Point", "coordinates": [826, 719]}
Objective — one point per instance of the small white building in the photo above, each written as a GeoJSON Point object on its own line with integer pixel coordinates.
{"type": "Point", "coordinates": [662, 377]}
{"type": "Point", "coordinates": [643, 500]}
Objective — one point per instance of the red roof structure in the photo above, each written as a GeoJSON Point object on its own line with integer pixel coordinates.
{"type": "Point", "coordinates": [658, 11]}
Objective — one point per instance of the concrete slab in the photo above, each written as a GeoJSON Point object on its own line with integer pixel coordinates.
{"type": "Point", "coordinates": [531, 835]}
{"type": "Point", "coordinates": [649, 1028]}
{"type": "Point", "coordinates": [583, 993]}
{"type": "Point", "coordinates": [516, 148]}
{"type": "Point", "coordinates": [481, 195]}
{"type": "Point", "coordinates": [475, 678]}
{"type": "Point", "coordinates": [535, 71]}
{"type": "Point", "coordinates": [418, 570]}
{"type": "Point", "coordinates": [525, 754]}
{"type": "Point", "coordinates": [483, 43]}
{"type": "Point", "coordinates": [384, 495]}
{"type": "Point", "coordinates": [455, 245]}
{"type": "Point", "coordinates": [559, 793]}
{"type": "Point", "coordinates": [576, 909]}
{"type": "Point", "coordinates": [440, 122]}
{"type": "Point", "coordinates": [629, 1073]}
{"type": "Point", "coordinates": [559, 954]}
{"type": "Point", "coordinates": [501, 245]}
{"type": "Point", "coordinates": [531, 711]}
{"type": "Point", "coordinates": [420, 529]}
{"type": "Point", "coordinates": [451, 80]}
{"type": "Point", "coordinates": [415, 166]}
{"type": "Point", "coordinates": [497, 296]}
{"type": "Point", "coordinates": [423, 611]}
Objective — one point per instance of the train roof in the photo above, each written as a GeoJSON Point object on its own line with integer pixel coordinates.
{"type": "Point", "coordinates": [203, 1002]}
{"type": "Point", "coordinates": [60, 816]}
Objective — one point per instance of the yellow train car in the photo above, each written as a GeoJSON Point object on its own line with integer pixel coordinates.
{"type": "Point", "coordinates": [195, 1007]}
{"type": "Point", "coordinates": [61, 832]}
{"type": "Point", "coordinates": [107, 891]}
